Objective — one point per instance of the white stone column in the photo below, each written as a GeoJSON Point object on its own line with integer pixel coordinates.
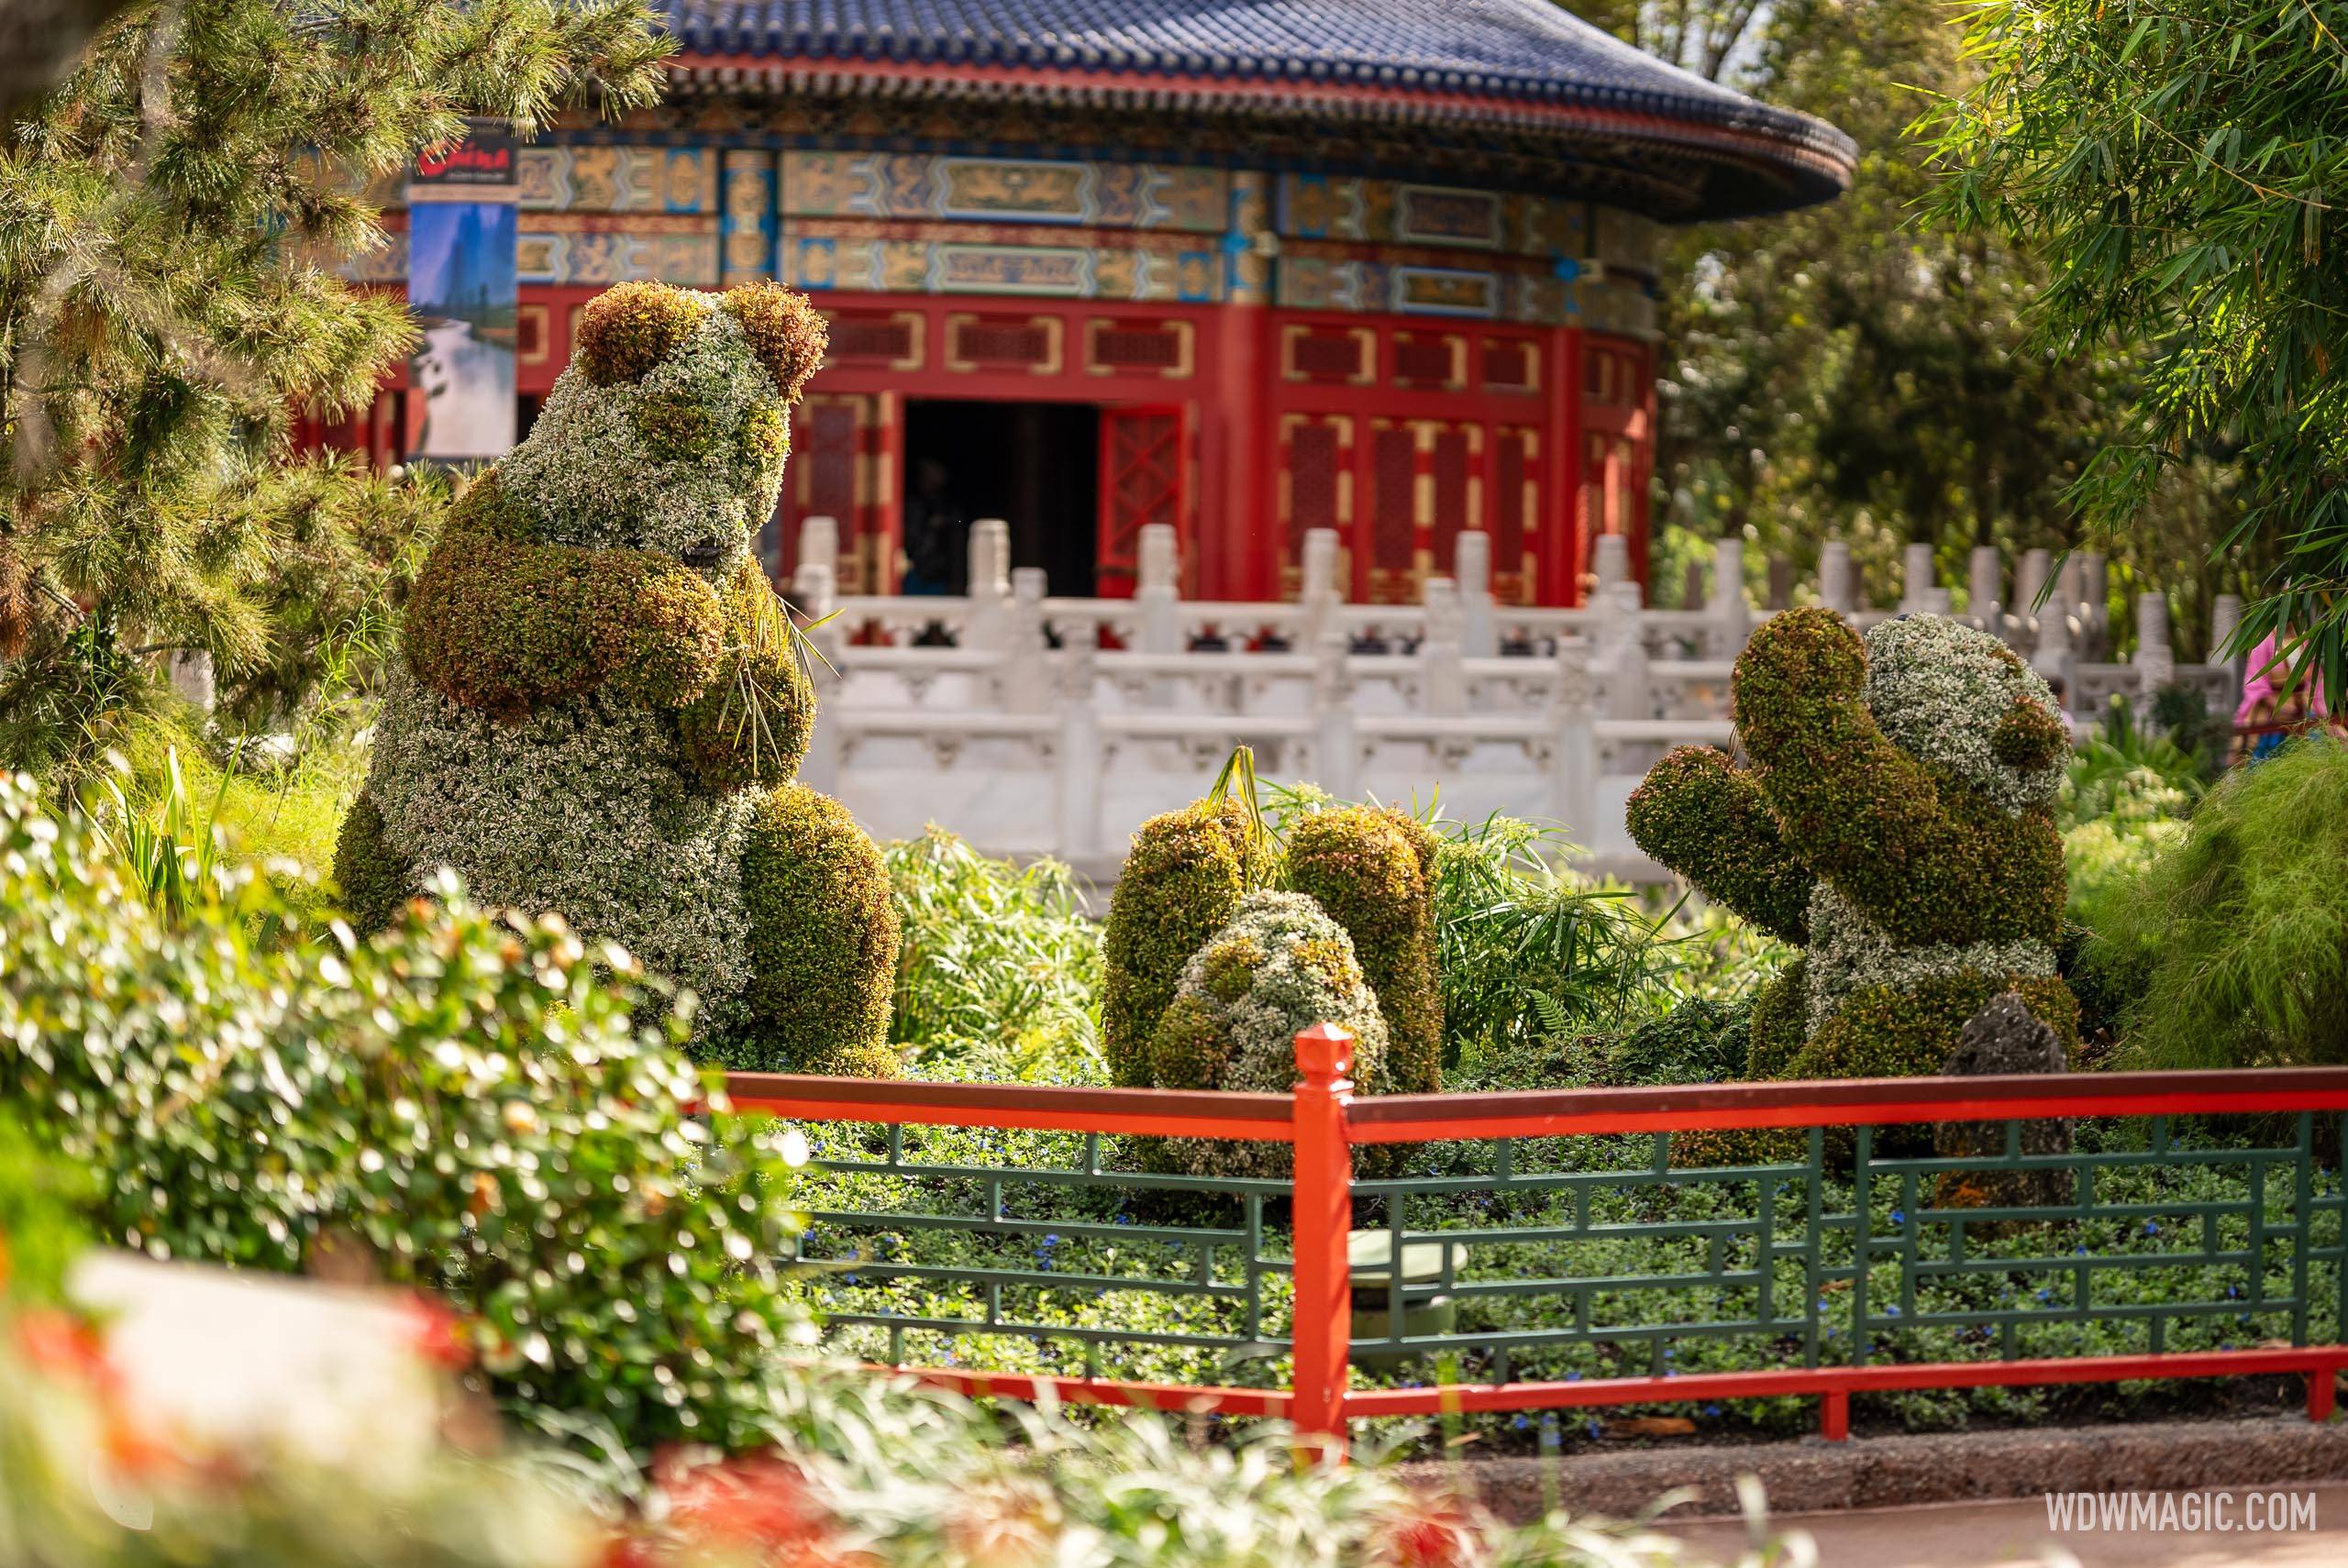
{"type": "Point", "coordinates": [990, 593]}
{"type": "Point", "coordinates": [2155, 661]}
{"type": "Point", "coordinates": [1025, 686]}
{"type": "Point", "coordinates": [1336, 752]}
{"type": "Point", "coordinates": [1573, 706]}
{"type": "Point", "coordinates": [1730, 621]}
{"type": "Point", "coordinates": [1983, 582]}
{"type": "Point", "coordinates": [819, 542]}
{"type": "Point", "coordinates": [1609, 559]}
{"type": "Point", "coordinates": [2030, 579]}
{"type": "Point", "coordinates": [1318, 590]}
{"type": "Point", "coordinates": [1472, 558]}
{"type": "Point", "coordinates": [1835, 578]}
{"type": "Point", "coordinates": [2094, 602]}
{"type": "Point", "coordinates": [1442, 682]}
{"type": "Point", "coordinates": [2051, 654]}
{"type": "Point", "coordinates": [1081, 757]}
{"type": "Point", "coordinates": [190, 673]}
{"type": "Point", "coordinates": [1916, 581]}
{"type": "Point", "coordinates": [1158, 593]}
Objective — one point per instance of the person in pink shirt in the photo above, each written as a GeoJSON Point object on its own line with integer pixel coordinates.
{"type": "Point", "coordinates": [2267, 715]}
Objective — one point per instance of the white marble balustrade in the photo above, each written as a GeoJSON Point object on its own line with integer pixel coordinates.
{"type": "Point", "coordinates": [1034, 725]}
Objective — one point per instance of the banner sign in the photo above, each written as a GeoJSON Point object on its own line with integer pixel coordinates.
{"type": "Point", "coordinates": [462, 290]}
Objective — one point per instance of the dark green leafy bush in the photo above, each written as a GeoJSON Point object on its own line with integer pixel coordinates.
{"type": "Point", "coordinates": [472, 1106]}
{"type": "Point", "coordinates": [822, 940]}
{"type": "Point", "coordinates": [1373, 872]}
{"type": "Point", "coordinates": [1180, 884]}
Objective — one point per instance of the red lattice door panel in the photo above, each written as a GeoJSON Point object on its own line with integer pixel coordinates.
{"type": "Point", "coordinates": [1316, 491]}
{"type": "Point", "coordinates": [838, 444]}
{"type": "Point", "coordinates": [1145, 479]}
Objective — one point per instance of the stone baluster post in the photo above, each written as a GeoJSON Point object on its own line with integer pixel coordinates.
{"type": "Point", "coordinates": [989, 592]}
{"type": "Point", "coordinates": [2051, 654]}
{"type": "Point", "coordinates": [1610, 560]}
{"type": "Point", "coordinates": [2156, 661]}
{"type": "Point", "coordinates": [189, 672]}
{"type": "Point", "coordinates": [2094, 605]}
{"type": "Point", "coordinates": [2225, 615]}
{"type": "Point", "coordinates": [1729, 621]}
{"type": "Point", "coordinates": [1984, 579]}
{"type": "Point", "coordinates": [812, 599]}
{"type": "Point", "coordinates": [1472, 558]}
{"type": "Point", "coordinates": [1443, 681]}
{"type": "Point", "coordinates": [819, 542]}
{"type": "Point", "coordinates": [1082, 757]}
{"type": "Point", "coordinates": [1158, 593]}
{"type": "Point", "coordinates": [1916, 581]}
{"type": "Point", "coordinates": [1336, 753]}
{"type": "Point", "coordinates": [1318, 592]}
{"type": "Point", "coordinates": [1573, 706]}
{"type": "Point", "coordinates": [2029, 580]}
{"type": "Point", "coordinates": [1025, 686]}
{"type": "Point", "coordinates": [1834, 578]}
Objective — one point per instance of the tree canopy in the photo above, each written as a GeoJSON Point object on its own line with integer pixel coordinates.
{"type": "Point", "coordinates": [171, 216]}
{"type": "Point", "coordinates": [2182, 169]}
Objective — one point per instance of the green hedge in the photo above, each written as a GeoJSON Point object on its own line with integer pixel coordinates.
{"type": "Point", "coordinates": [472, 1104]}
{"type": "Point", "coordinates": [822, 940]}
{"type": "Point", "coordinates": [1184, 877]}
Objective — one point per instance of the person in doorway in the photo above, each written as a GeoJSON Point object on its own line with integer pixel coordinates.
{"type": "Point", "coordinates": [937, 533]}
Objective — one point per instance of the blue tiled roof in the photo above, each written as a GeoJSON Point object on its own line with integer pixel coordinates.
{"type": "Point", "coordinates": [1528, 51]}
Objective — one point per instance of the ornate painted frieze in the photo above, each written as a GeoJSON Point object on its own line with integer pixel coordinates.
{"type": "Point", "coordinates": [1003, 190]}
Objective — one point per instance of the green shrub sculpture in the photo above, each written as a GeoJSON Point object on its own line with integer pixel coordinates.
{"type": "Point", "coordinates": [1281, 965]}
{"type": "Point", "coordinates": [1896, 821]}
{"type": "Point", "coordinates": [600, 707]}
{"type": "Point", "coordinates": [1183, 879]}
{"type": "Point", "coordinates": [1372, 871]}
{"type": "Point", "coordinates": [1369, 869]}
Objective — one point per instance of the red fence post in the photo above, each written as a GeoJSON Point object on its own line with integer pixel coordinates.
{"type": "Point", "coordinates": [1323, 1221]}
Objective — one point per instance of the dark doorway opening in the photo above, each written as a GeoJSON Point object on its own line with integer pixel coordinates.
{"type": "Point", "coordinates": [1034, 465]}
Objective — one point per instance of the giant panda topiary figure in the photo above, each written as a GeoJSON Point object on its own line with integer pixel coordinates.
{"type": "Point", "coordinates": [1896, 821]}
{"type": "Point", "coordinates": [600, 709]}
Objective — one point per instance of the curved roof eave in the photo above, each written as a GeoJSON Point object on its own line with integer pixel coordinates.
{"type": "Point", "coordinates": [1525, 64]}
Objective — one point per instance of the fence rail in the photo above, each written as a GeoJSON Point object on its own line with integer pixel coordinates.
{"type": "Point", "coordinates": [1552, 1250]}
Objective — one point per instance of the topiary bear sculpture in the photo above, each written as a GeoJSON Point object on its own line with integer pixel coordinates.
{"type": "Point", "coordinates": [600, 709]}
{"type": "Point", "coordinates": [1278, 966]}
{"type": "Point", "coordinates": [1896, 821]}
{"type": "Point", "coordinates": [1369, 868]}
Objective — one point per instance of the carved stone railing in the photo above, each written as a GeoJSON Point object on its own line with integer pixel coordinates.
{"type": "Point", "coordinates": [1034, 725]}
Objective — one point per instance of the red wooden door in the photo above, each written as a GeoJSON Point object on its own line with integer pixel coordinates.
{"type": "Point", "coordinates": [1145, 479]}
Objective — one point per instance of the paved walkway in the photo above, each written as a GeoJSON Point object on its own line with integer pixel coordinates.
{"type": "Point", "coordinates": [1997, 1535]}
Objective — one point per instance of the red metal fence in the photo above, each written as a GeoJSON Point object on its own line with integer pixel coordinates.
{"type": "Point", "coordinates": [1323, 1123]}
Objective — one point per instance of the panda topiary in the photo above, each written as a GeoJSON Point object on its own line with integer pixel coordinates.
{"type": "Point", "coordinates": [1896, 821]}
{"type": "Point", "coordinates": [600, 709]}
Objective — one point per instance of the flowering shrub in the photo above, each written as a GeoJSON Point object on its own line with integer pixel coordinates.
{"type": "Point", "coordinates": [476, 1107]}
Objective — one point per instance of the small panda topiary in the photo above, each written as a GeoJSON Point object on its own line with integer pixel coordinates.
{"type": "Point", "coordinates": [1277, 967]}
{"type": "Point", "coordinates": [1896, 821]}
{"type": "Point", "coordinates": [600, 710]}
